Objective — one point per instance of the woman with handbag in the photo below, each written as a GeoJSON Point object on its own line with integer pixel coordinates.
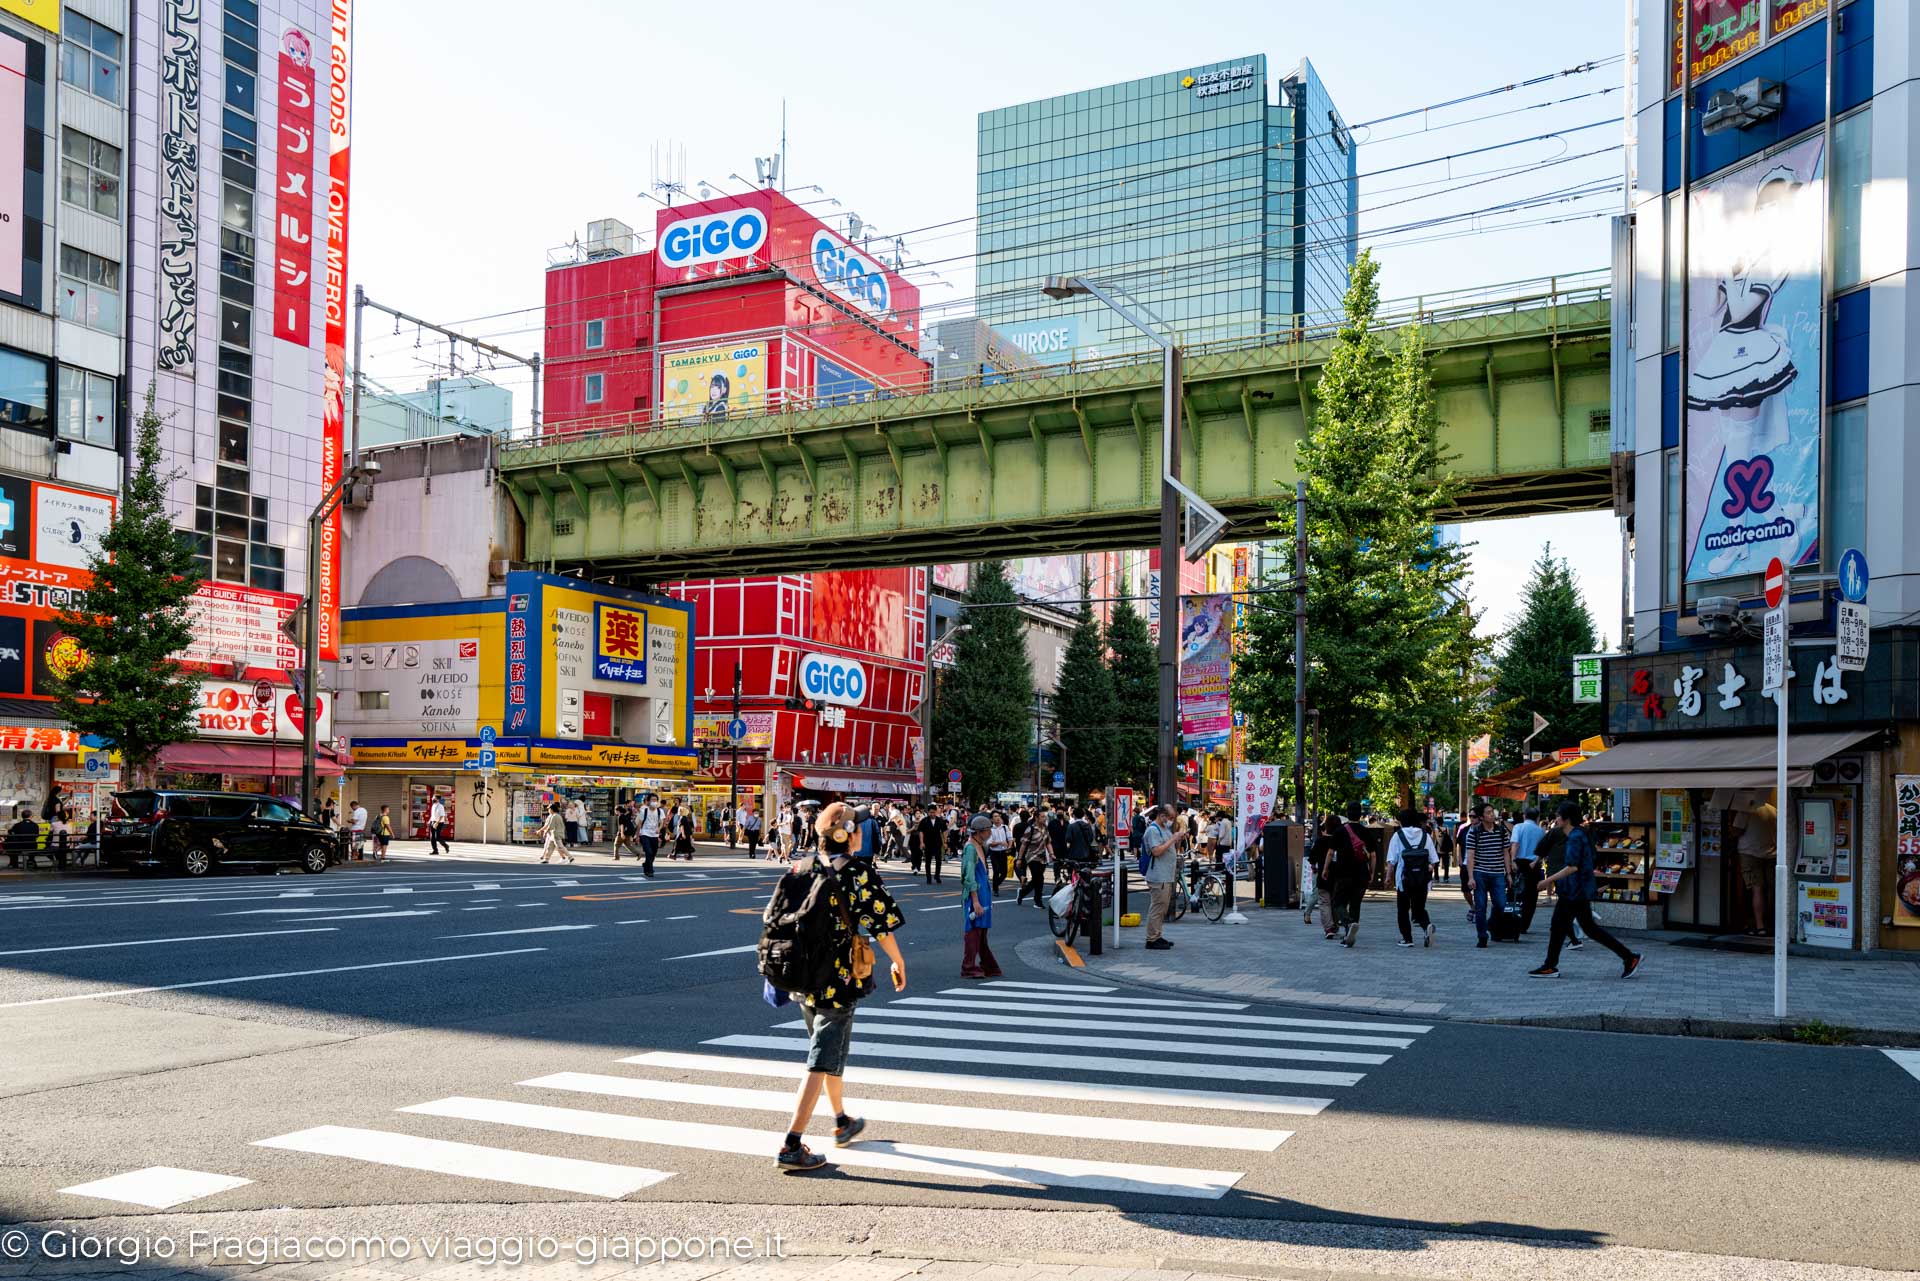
{"type": "Point", "coordinates": [976, 903]}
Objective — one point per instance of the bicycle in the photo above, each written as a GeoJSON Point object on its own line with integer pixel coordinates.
{"type": "Point", "coordinates": [1206, 893]}
{"type": "Point", "coordinates": [1084, 880]}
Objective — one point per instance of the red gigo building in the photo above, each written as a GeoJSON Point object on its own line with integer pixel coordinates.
{"type": "Point", "coordinates": [747, 305]}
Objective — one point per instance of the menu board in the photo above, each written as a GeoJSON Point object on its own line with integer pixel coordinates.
{"type": "Point", "coordinates": [1674, 839]}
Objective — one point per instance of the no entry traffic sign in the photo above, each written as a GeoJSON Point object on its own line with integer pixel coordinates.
{"type": "Point", "coordinates": [1776, 583]}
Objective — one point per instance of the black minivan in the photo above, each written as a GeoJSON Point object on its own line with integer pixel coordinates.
{"type": "Point", "coordinates": [194, 833]}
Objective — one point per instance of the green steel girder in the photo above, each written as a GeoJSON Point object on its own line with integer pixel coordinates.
{"type": "Point", "coordinates": [520, 503]}
{"type": "Point", "coordinates": [1519, 389]}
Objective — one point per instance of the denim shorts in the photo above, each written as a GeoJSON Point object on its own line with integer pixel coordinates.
{"type": "Point", "coordinates": [829, 1037]}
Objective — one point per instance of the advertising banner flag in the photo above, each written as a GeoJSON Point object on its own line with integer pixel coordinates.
{"type": "Point", "coordinates": [333, 431]}
{"type": "Point", "coordinates": [1256, 788]}
{"type": "Point", "coordinates": [1206, 666]}
{"type": "Point", "coordinates": [1754, 366]}
{"type": "Point", "coordinates": [712, 384]}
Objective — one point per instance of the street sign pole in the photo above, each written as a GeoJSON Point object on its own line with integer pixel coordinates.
{"type": "Point", "coordinates": [1780, 671]}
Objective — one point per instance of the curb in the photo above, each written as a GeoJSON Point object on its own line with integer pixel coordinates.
{"type": "Point", "coordinates": [1625, 1024]}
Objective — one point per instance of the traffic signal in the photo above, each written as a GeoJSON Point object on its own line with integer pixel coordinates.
{"type": "Point", "coordinates": [800, 703]}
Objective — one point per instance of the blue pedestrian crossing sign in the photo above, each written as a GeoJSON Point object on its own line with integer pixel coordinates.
{"type": "Point", "coordinates": [737, 730]}
{"type": "Point", "coordinates": [486, 735]}
{"type": "Point", "coordinates": [1853, 575]}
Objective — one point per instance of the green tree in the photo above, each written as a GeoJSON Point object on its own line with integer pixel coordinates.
{"type": "Point", "coordinates": [130, 689]}
{"type": "Point", "coordinates": [1083, 702]}
{"type": "Point", "coordinates": [1535, 665]}
{"type": "Point", "coordinates": [983, 720]}
{"type": "Point", "coordinates": [1135, 665]}
{"type": "Point", "coordinates": [1393, 660]}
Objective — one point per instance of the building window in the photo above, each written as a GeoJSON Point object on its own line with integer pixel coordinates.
{"type": "Point", "coordinates": [374, 700]}
{"type": "Point", "coordinates": [90, 173]}
{"type": "Point", "coordinates": [1673, 270]}
{"type": "Point", "coordinates": [23, 391]}
{"type": "Point", "coordinates": [1852, 172]}
{"type": "Point", "coordinates": [88, 410]}
{"type": "Point", "coordinates": [596, 388]}
{"type": "Point", "coordinates": [1846, 481]}
{"type": "Point", "coordinates": [90, 57]}
{"type": "Point", "coordinates": [596, 333]}
{"type": "Point", "coordinates": [89, 289]}
{"type": "Point", "coordinates": [1674, 519]}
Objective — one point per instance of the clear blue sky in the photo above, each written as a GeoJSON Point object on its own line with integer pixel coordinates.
{"type": "Point", "coordinates": [488, 133]}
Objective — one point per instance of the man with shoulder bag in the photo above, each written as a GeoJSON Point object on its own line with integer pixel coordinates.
{"type": "Point", "coordinates": [811, 951]}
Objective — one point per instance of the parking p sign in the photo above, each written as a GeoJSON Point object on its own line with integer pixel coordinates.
{"type": "Point", "coordinates": [1587, 678]}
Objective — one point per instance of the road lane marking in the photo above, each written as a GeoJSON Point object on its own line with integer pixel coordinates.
{"type": "Point", "coordinates": [1051, 987]}
{"type": "Point", "coordinates": [638, 921]}
{"type": "Point", "coordinates": [1112, 1000]}
{"type": "Point", "coordinates": [1107, 1025]}
{"type": "Point", "coordinates": [534, 904]}
{"type": "Point", "coordinates": [867, 1048]}
{"type": "Point", "coordinates": [397, 889]}
{"type": "Point", "coordinates": [261, 978]}
{"type": "Point", "coordinates": [373, 916]}
{"type": "Point", "coordinates": [725, 951]}
{"type": "Point", "coordinates": [479, 909]}
{"type": "Point", "coordinates": [681, 918]}
{"type": "Point", "coordinates": [914, 1158]}
{"type": "Point", "coordinates": [470, 1160]}
{"type": "Point", "coordinates": [1154, 1096]}
{"type": "Point", "coordinates": [1203, 1049]}
{"type": "Point", "coordinates": [1184, 1015]}
{"type": "Point", "coordinates": [158, 1187]}
{"type": "Point", "coordinates": [1908, 1059]}
{"type": "Point", "coordinates": [191, 938]}
{"type": "Point", "coordinates": [537, 929]}
{"type": "Point", "coordinates": [660, 891]}
{"type": "Point", "coordinates": [1067, 1125]}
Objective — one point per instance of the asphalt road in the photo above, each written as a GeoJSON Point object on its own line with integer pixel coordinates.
{"type": "Point", "coordinates": [466, 1033]}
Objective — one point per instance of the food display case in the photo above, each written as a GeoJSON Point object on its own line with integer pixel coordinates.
{"type": "Point", "coordinates": [1623, 871]}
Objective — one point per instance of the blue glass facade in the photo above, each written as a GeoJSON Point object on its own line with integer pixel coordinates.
{"type": "Point", "coordinates": [1226, 214]}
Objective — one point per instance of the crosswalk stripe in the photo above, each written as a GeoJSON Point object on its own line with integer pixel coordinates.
{"type": "Point", "coordinates": [1908, 1059]}
{"type": "Point", "coordinates": [159, 1187]}
{"type": "Point", "coordinates": [1066, 1125]}
{"type": "Point", "coordinates": [494, 1165]}
{"type": "Point", "coordinates": [1107, 1025]}
{"type": "Point", "coordinates": [1202, 1049]}
{"type": "Point", "coordinates": [1016, 1006]}
{"type": "Point", "coordinates": [1051, 987]}
{"type": "Point", "coordinates": [1078, 1063]}
{"type": "Point", "coordinates": [1022, 1087]}
{"type": "Point", "coordinates": [913, 1158]}
{"type": "Point", "coordinates": [1111, 1000]}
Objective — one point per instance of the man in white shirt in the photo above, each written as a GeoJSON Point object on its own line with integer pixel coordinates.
{"type": "Point", "coordinates": [1163, 841]}
{"type": "Point", "coordinates": [436, 824]}
{"type": "Point", "coordinates": [358, 824]}
{"type": "Point", "coordinates": [653, 821]}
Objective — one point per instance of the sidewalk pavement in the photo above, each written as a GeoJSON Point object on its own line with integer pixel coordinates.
{"type": "Point", "coordinates": [1682, 989]}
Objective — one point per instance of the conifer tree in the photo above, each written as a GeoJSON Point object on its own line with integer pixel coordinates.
{"type": "Point", "coordinates": [1135, 665]}
{"type": "Point", "coordinates": [983, 719]}
{"type": "Point", "coordinates": [1084, 704]}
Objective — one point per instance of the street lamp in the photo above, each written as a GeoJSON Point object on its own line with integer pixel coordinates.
{"type": "Point", "coordinates": [1211, 524]}
{"type": "Point", "coordinates": [359, 471]}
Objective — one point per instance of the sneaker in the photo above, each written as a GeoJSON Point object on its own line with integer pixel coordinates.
{"type": "Point", "coordinates": [1333, 934]}
{"type": "Point", "coordinates": [1544, 972]}
{"type": "Point", "coordinates": [1633, 967]}
{"type": "Point", "coordinates": [1406, 943]}
{"type": "Point", "coordinates": [1430, 933]}
{"type": "Point", "coordinates": [1158, 945]}
{"type": "Point", "coordinates": [846, 1134]}
{"type": "Point", "coordinates": [1574, 945]}
{"type": "Point", "coordinates": [799, 1158]}
{"type": "Point", "coordinates": [1353, 932]}
{"type": "Point", "coordinates": [1481, 943]}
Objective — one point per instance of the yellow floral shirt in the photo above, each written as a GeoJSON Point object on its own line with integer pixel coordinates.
{"type": "Point", "coordinates": [871, 909]}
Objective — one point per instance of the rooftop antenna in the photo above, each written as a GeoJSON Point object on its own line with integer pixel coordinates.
{"type": "Point", "coordinates": [781, 167]}
{"type": "Point", "coordinates": [669, 170]}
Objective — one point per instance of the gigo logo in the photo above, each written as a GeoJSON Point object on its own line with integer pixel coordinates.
{"type": "Point", "coordinates": [733, 233]}
{"type": "Point", "coordinates": [850, 274]}
{"type": "Point", "coordinates": [833, 680]}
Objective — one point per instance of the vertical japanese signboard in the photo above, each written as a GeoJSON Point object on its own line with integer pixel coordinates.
{"type": "Point", "coordinates": [333, 430]}
{"type": "Point", "coordinates": [293, 192]}
{"type": "Point", "coordinates": [1587, 678]}
{"type": "Point", "coordinates": [179, 182]}
{"type": "Point", "coordinates": [1906, 849]}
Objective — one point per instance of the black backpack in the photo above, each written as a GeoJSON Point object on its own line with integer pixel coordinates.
{"type": "Point", "coordinates": [1415, 860]}
{"type": "Point", "coordinates": [797, 944]}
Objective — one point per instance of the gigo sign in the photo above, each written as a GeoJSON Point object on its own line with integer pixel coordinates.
{"type": "Point", "coordinates": [732, 233]}
{"type": "Point", "coordinates": [832, 679]}
{"type": "Point", "coordinates": [848, 273]}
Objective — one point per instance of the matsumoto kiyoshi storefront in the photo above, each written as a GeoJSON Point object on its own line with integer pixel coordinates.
{"type": "Point", "coordinates": [1693, 743]}
{"type": "Point", "coordinates": [584, 688]}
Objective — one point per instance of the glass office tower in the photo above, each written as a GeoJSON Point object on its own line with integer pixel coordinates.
{"type": "Point", "coordinates": [1228, 215]}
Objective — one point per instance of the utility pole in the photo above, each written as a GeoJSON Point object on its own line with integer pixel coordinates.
{"type": "Point", "coordinates": [1166, 767]}
{"type": "Point", "coordinates": [1300, 651]}
{"type": "Point", "coordinates": [733, 791]}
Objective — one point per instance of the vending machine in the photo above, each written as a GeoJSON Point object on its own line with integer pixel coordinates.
{"type": "Point", "coordinates": [1826, 856]}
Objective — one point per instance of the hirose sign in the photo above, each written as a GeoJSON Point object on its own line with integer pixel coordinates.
{"type": "Point", "coordinates": [833, 679]}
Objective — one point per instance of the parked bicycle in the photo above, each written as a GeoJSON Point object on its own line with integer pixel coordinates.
{"type": "Point", "coordinates": [1203, 891]}
{"type": "Point", "coordinates": [1092, 894]}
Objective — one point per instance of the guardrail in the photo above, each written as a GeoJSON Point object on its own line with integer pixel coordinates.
{"type": "Point", "coordinates": [1505, 299]}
